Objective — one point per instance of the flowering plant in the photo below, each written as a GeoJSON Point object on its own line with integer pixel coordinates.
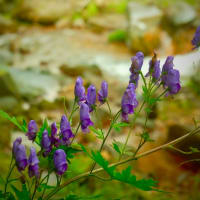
{"type": "Point", "coordinates": [56, 141]}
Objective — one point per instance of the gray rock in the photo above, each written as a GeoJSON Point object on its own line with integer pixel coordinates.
{"type": "Point", "coordinates": [29, 84]}
{"type": "Point", "coordinates": [181, 13]}
{"type": "Point", "coordinates": [143, 27]}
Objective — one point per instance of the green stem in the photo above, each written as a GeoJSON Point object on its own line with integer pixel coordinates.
{"type": "Point", "coordinates": [76, 132]}
{"type": "Point", "coordinates": [86, 174]}
{"type": "Point", "coordinates": [46, 184]}
{"type": "Point", "coordinates": [9, 173]}
{"type": "Point", "coordinates": [73, 110]}
{"type": "Point", "coordinates": [105, 138]}
{"type": "Point", "coordinates": [109, 108]}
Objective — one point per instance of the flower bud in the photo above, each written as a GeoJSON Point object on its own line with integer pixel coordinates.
{"type": "Point", "coordinates": [91, 97]}
{"type": "Point", "coordinates": [33, 169]}
{"type": "Point", "coordinates": [32, 130]}
{"type": "Point", "coordinates": [103, 92]}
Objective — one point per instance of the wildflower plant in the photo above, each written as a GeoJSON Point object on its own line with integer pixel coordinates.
{"type": "Point", "coordinates": [57, 145]}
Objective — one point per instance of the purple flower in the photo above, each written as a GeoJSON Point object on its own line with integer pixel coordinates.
{"type": "Point", "coordinates": [46, 143]}
{"type": "Point", "coordinates": [60, 161]}
{"type": "Point", "coordinates": [16, 143]}
{"type": "Point", "coordinates": [154, 68]}
{"type": "Point", "coordinates": [20, 157]}
{"type": "Point", "coordinates": [65, 130]}
{"type": "Point", "coordinates": [168, 65]}
{"type": "Point", "coordinates": [33, 169]}
{"type": "Point", "coordinates": [173, 82]}
{"type": "Point", "coordinates": [103, 92]}
{"type": "Point", "coordinates": [85, 118]}
{"type": "Point", "coordinates": [137, 62]}
{"type": "Point", "coordinates": [79, 90]}
{"type": "Point", "coordinates": [54, 137]}
{"type": "Point", "coordinates": [196, 40]}
{"type": "Point", "coordinates": [91, 97]}
{"type": "Point", "coordinates": [129, 101]}
{"type": "Point", "coordinates": [32, 130]}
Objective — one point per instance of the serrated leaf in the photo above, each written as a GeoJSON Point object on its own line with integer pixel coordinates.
{"type": "Point", "coordinates": [22, 195]}
{"type": "Point", "coordinates": [13, 120]}
{"type": "Point", "coordinates": [98, 132]}
{"type": "Point", "coordinates": [124, 176]}
{"type": "Point", "coordinates": [117, 126]}
{"type": "Point", "coordinates": [128, 150]}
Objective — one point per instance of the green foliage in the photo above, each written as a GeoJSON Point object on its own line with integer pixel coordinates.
{"type": "Point", "coordinates": [194, 150]}
{"type": "Point", "coordinates": [117, 36]}
{"type": "Point", "coordinates": [125, 176]}
{"type": "Point", "coordinates": [116, 147]}
{"type": "Point", "coordinates": [44, 186]}
{"type": "Point", "coordinates": [22, 127]}
{"type": "Point", "coordinates": [76, 197]}
{"type": "Point", "coordinates": [119, 146]}
{"type": "Point", "coordinates": [146, 137]}
{"type": "Point", "coordinates": [7, 196]}
{"type": "Point", "coordinates": [91, 10]}
{"type": "Point", "coordinates": [117, 126]}
{"type": "Point", "coordinates": [22, 195]}
{"type": "Point", "coordinates": [99, 133]}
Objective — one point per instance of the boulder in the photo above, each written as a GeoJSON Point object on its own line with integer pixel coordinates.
{"type": "Point", "coordinates": [143, 27]}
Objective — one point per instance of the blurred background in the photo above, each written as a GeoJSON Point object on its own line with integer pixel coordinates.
{"type": "Point", "coordinates": [46, 44]}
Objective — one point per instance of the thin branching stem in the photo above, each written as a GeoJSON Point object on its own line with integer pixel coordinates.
{"type": "Point", "coordinates": [146, 153]}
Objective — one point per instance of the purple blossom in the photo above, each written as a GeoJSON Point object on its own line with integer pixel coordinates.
{"type": "Point", "coordinates": [60, 161]}
{"type": "Point", "coordinates": [85, 118]}
{"type": "Point", "coordinates": [20, 157]}
{"type": "Point", "coordinates": [91, 97]}
{"type": "Point", "coordinates": [79, 90]}
{"type": "Point", "coordinates": [54, 137]}
{"type": "Point", "coordinates": [154, 68]}
{"type": "Point", "coordinates": [173, 82]}
{"type": "Point", "coordinates": [196, 39]}
{"type": "Point", "coordinates": [129, 101]}
{"type": "Point", "coordinates": [33, 169]}
{"type": "Point", "coordinates": [103, 92]}
{"type": "Point", "coordinates": [46, 143]}
{"type": "Point", "coordinates": [32, 130]}
{"type": "Point", "coordinates": [16, 143]}
{"type": "Point", "coordinates": [65, 129]}
{"type": "Point", "coordinates": [137, 62]}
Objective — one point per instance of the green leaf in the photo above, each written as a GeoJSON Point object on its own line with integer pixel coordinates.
{"type": "Point", "coordinates": [116, 147]}
{"type": "Point", "coordinates": [117, 126]}
{"type": "Point", "coordinates": [117, 36]}
{"type": "Point", "coordinates": [194, 150]}
{"type": "Point", "coordinates": [22, 195]}
{"type": "Point", "coordinates": [7, 196]}
{"type": "Point", "coordinates": [146, 137]}
{"type": "Point", "coordinates": [98, 132]}
{"type": "Point", "coordinates": [45, 186]}
{"type": "Point", "coordinates": [13, 120]}
{"type": "Point", "coordinates": [124, 176]}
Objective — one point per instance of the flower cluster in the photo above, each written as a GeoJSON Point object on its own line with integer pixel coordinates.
{"type": "Point", "coordinates": [196, 39]}
{"type": "Point", "coordinates": [19, 154]}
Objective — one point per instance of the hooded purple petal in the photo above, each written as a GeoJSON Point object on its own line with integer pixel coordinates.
{"type": "Point", "coordinates": [103, 92]}
{"type": "Point", "coordinates": [65, 129]}
{"type": "Point", "coordinates": [91, 97]}
{"type": "Point", "coordinates": [196, 40]}
{"type": "Point", "coordinates": [85, 118]}
{"type": "Point", "coordinates": [60, 161]}
{"type": "Point", "coordinates": [32, 130]}
{"type": "Point", "coordinates": [79, 90]}
{"type": "Point", "coordinates": [46, 143]}
{"type": "Point", "coordinates": [17, 142]}
{"type": "Point", "coordinates": [33, 169]}
{"type": "Point", "coordinates": [54, 137]}
{"type": "Point", "coordinates": [137, 62]}
{"type": "Point", "coordinates": [129, 101]}
{"type": "Point", "coordinates": [20, 157]}
{"type": "Point", "coordinates": [154, 68]}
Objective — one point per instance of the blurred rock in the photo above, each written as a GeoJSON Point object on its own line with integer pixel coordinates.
{"type": "Point", "coordinates": [48, 11]}
{"type": "Point", "coordinates": [28, 84]}
{"type": "Point", "coordinates": [108, 21]}
{"type": "Point", "coordinates": [7, 25]}
{"type": "Point", "coordinates": [181, 13]}
{"type": "Point", "coordinates": [143, 27]}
